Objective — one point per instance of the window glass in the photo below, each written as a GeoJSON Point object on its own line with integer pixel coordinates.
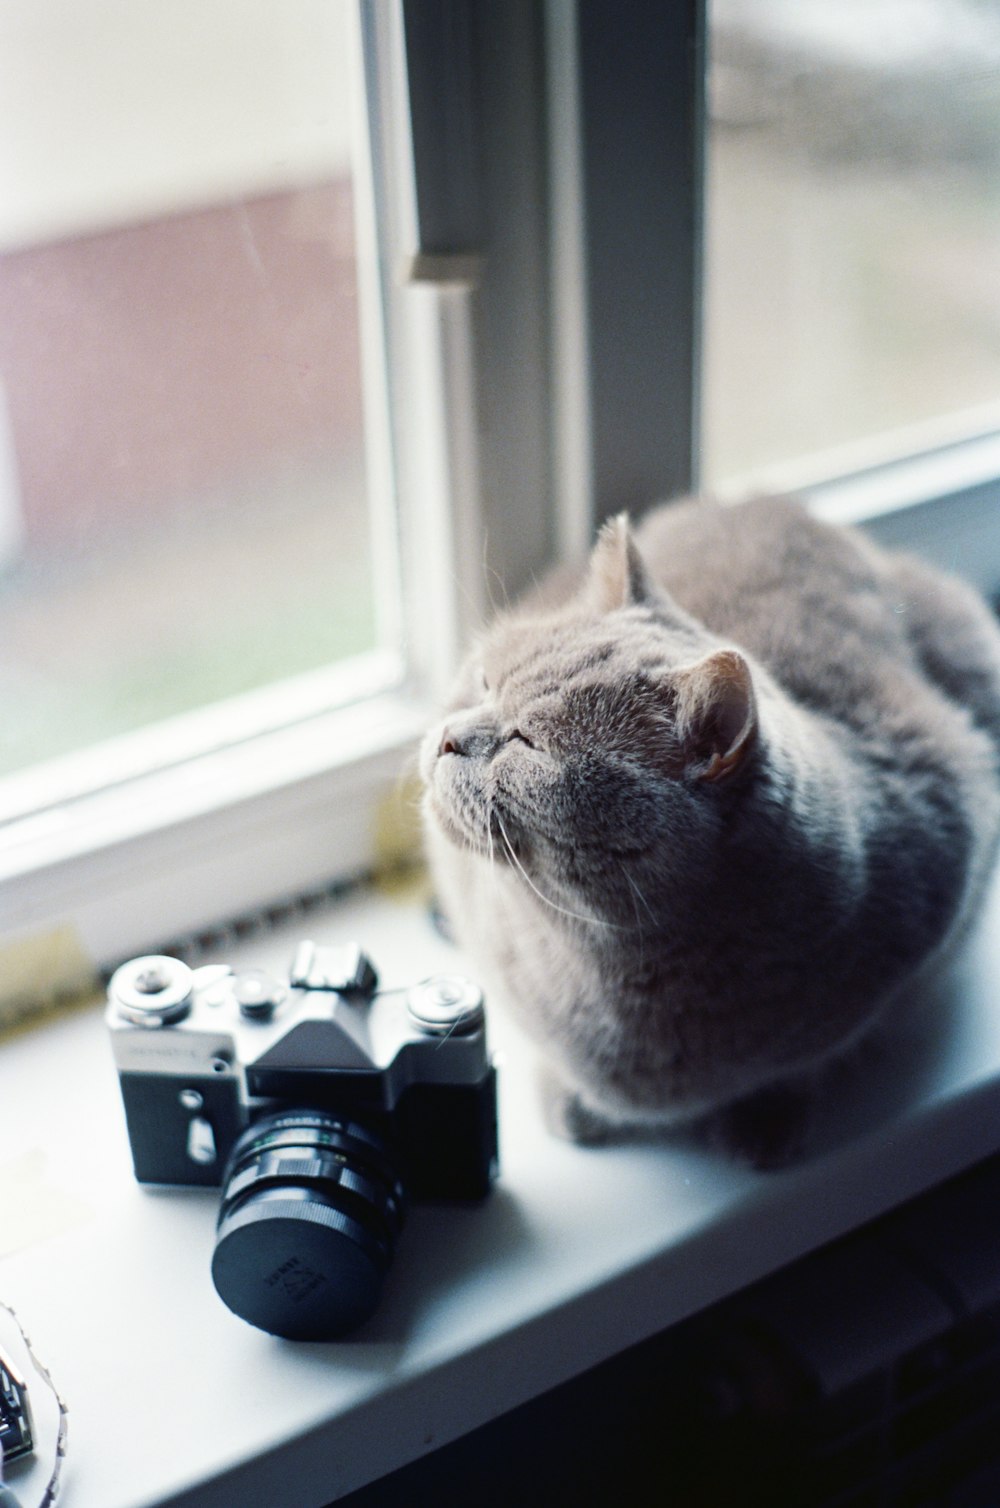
{"type": "Point", "coordinates": [183, 508]}
{"type": "Point", "coordinates": [853, 224]}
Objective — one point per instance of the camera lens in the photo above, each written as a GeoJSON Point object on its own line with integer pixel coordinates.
{"type": "Point", "coordinates": [311, 1208]}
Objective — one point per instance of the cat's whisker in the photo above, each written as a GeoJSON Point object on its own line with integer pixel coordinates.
{"type": "Point", "coordinates": [637, 896]}
{"type": "Point", "coordinates": [576, 916]}
{"type": "Point", "coordinates": [638, 928]}
{"type": "Point", "coordinates": [491, 577]}
{"type": "Point", "coordinates": [490, 844]}
{"type": "Point", "coordinates": [640, 898]}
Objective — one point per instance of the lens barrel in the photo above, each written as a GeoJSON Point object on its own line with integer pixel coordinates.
{"type": "Point", "coordinates": [311, 1209]}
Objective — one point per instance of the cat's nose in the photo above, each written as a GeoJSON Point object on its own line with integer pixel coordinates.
{"type": "Point", "coordinates": [467, 739]}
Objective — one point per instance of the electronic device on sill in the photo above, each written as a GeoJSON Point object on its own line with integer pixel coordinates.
{"type": "Point", "coordinates": [319, 1103]}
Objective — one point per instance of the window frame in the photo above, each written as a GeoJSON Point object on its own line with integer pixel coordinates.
{"type": "Point", "coordinates": [528, 403]}
{"type": "Point", "coordinates": [291, 810]}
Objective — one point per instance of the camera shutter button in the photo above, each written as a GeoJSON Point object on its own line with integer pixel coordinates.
{"type": "Point", "coordinates": [257, 995]}
{"type": "Point", "coordinates": [446, 1003]}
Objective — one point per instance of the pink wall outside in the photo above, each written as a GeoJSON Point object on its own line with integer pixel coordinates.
{"type": "Point", "coordinates": [147, 364]}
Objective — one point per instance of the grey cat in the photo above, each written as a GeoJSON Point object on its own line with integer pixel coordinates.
{"type": "Point", "coordinates": [705, 813]}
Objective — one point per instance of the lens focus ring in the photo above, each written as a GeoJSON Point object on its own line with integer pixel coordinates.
{"type": "Point", "coordinates": [311, 1210]}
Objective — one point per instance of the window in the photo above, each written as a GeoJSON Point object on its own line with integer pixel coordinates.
{"type": "Point", "coordinates": [296, 472]}
{"type": "Point", "coordinates": [853, 215]}
{"type": "Point", "coordinates": [852, 327]}
{"type": "Point", "coordinates": [526, 356]}
{"type": "Point", "coordinates": [184, 515]}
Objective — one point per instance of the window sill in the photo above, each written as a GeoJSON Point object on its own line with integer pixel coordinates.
{"type": "Point", "coordinates": [197, 844]}
{"type": "Point", "coordinates": [578, 1253]}
{"type": "Point", "coordinates": [942, 503]}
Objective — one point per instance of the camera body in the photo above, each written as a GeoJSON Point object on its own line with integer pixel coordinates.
{"type": "Point", "coordinates": [202, 1053]}
{"type": "Point", "coordinates": [319, 1106]}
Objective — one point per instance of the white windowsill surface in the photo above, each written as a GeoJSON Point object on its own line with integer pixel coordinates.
{"type": "Point", "coordinates": [576, 1255]}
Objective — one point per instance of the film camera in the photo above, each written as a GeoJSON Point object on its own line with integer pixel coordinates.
{"type": "Point", "coordinates": [319, 1104]}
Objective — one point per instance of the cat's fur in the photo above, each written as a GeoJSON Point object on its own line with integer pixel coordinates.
{"type": "Point", "coordinates": [704, 817]}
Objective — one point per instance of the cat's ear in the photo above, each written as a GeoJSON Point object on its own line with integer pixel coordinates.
{"type": "Point", "coordinates": [617, 576]}
{"type": "Point", "coordinates": [716, 713]}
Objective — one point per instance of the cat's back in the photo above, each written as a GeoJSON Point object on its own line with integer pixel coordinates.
{"type": "Point", "coordinates": [841, 624]}
{"type": "Point", "coordinates": [743, 568]}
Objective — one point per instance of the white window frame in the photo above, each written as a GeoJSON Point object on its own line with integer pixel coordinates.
{"type": "Point", "coordinates": [545, 373]}
{"type": "Point", "coordinates": [269, 813]}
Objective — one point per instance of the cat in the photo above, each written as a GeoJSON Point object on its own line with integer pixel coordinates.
{"type": "Point", "coordinates": [705, 813]}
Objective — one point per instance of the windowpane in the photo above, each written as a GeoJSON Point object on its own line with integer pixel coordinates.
{"type": "Point", "coordinates": [853, 263]}
{"type": "Point", "coordinates": [183, 508]}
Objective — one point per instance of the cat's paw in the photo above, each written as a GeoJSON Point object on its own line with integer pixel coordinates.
{"type": "Point", "coordinates": [765, 1130]}
{"type": "Point", "coordinates": [566, 1115]}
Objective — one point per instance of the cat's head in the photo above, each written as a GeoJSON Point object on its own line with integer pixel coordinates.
{"type": "Point", "coordinates": [589, 745]}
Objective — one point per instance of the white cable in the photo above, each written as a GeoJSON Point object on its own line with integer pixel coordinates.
{"type": "Point", "coordinates": [8, 1499]}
